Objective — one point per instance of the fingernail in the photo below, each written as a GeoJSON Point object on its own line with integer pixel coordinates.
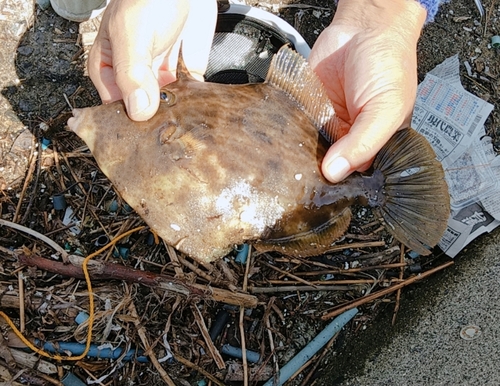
{"type": "Point", "coordinates": [137, 102]}
{"type": "Point", "coordinates": [338, 169]}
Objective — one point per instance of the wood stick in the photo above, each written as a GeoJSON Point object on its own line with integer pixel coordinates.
{"type": "Point", "coordinates": [375, 295]}
{"type": "Point", "coordinates": [36, 234]}
{"type": "Point", "coordinates": [398, 293]}
{"type": "Point", "coordinates": [12, 301]}
{"type": "Point", "coordinates": [243, 346]}
{"type": "Point", "coordinates": [22, 315]}
{"type": "Point", "coordinates": [7, 377]}
{"type": "Point", "coordinates": [340, 271]}
{"type": "Point", "coordinates": [242, 329]}
{"type": "Point", "coordinates": [288, 274]}
{"type": "Point", "coordinates": [73, 174]}
{"type": "Point", "coordinates": [6, 353]}
{"type": "Point", "coordinates": [196, 270]}
{"type": "Point", "coordinates": [33, 362]}
{"type": "Point", "coordinates": [270, 335]}
{"type": "Point", "coordinates": [356, 245]}
{"type": "Point", "coordinates": [231, 279]}
{"type": "Point", "coordinates": [27, 180]}
{"type": "Point", "coordinates": [34, 185]}
{"type": "Point", "coordinates": [190, 364]}
{"type": "Point", "coordinates": [50, 379]}
{"type": "Point", "coordinates": [175, 260]}
{"type": "Point", "coordinates": [303, 288]}
{"type": "Point", "coordinates": [330, 282]}
{"type": "Point", "coordinates": [105, 271]}
{"type": "Point", "coordinates": [206, 336]}
{"type": "Point", "coordinates": [142, 334]}
{"type": "Point", "coordinates": [241, 299]}
{"type": "Point", "coordinates": [58, 167]}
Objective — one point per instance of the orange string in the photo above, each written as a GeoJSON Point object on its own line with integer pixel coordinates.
{"type": "Point", "coordinates": [91, 308]}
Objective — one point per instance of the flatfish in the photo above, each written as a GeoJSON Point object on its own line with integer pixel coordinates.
{"type": "Point", "coordinates": [220, 165]}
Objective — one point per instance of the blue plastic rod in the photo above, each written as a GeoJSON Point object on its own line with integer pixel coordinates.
{"type": "Point", "coordinates": [313, 347]}
{"type": "Point", "coordinates": [242, 255]}
{"type": "Point", "coordinates": [106, 353]}
{"type": "Point", "coordinates": [236, 352]}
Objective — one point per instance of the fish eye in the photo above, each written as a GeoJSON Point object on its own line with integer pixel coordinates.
{"type": "Point", "coordinates": [168, 97]}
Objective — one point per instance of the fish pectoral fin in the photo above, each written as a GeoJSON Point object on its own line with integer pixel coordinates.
{"type": "Point", "coordinates": [313, 242]}
{"type": "Point", "coordinates": [188, 144]}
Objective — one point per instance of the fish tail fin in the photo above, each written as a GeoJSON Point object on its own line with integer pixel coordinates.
{"type": "Point", "coordinates": [416, 204]}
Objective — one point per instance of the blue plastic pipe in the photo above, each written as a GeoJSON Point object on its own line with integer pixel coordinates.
{"type": "Point", "coordinates": [105, 353]}
{"type": "Point", "coordinates": [313, 347]}
{"type": "Point", "coordinates": [236, 352]}
{"type": "Point", "coordinates": [242, 255]}
{"type": "Point", "coordinates": [71, 379]}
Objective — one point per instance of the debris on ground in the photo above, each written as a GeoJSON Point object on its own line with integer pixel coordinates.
{"type": "Point", "coordinates": [157, 316]}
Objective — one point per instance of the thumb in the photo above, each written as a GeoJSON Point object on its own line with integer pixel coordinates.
{"type": "Point", "coordinates": [142, 33]}
{"type": "Point", "coordinates": [140, 89]}
{"type": "Point", "coordinates": [356, 150]}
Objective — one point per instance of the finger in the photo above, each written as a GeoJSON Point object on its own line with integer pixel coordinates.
{"type": "Point", "coordinates": [367, 136]}
{"type": "Point", "coordinates": [197, 36]}
{"type": "Point", "coordinates": [203, 13]}
{"type": "Point", "coordinates": [133, 51]}
{"type": "Point", "coordinates": [101, 72]}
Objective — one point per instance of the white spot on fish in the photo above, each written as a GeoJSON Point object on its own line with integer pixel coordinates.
{"type": "Point", "coordinates": [298, 176]}
{"type": "Point", "coordinates": [248, 214]}
{"type": "Point", "coordinates": [243, 202]}
{"type": "Point", "coordinates": [175, 227]}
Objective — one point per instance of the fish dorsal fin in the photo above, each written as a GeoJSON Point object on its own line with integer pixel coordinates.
{"type": "Point", "coordinates": [291, 73]}
{"type": "Point", "coordinates": [182, 73]}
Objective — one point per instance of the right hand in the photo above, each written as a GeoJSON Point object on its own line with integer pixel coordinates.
{"type": "Point", "coordinates": [136, 49]}
{"type": "Point", "coordinates": [367, 60]}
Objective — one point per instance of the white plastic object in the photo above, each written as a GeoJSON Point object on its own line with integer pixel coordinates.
{"type": "Point", "coordinates": [274, 21]}
{"type": "Point", "coordinates": [78, 10]}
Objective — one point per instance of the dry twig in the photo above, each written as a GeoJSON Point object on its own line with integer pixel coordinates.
{"type": "Point", "coordinates": [378, 294]}
{"type": "Point", "coordinates": [106, 271]}
{"type": "Point", "coordinates": [144, 339]}
{"type": "Point", "coordinates": [398, 293]}
{"type": "Point", "coordinates": [206, 336]}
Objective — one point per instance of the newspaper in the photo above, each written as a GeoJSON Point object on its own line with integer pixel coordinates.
{"type": "Point", "coordinates": [452, 119]}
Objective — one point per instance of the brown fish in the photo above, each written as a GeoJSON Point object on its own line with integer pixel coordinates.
{"type": "Point", "coordinates": [219, 165]}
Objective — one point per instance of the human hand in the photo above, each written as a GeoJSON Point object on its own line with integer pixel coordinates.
{"type": "Point", "coordinates": [367, 61]}
{"type": "Point", "coordinates": [136, 49]}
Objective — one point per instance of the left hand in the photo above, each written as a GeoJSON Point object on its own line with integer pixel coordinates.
{"type": "Point", "coordinates": [136, 49]}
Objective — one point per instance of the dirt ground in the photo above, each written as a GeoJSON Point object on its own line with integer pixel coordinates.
{"type": "Point", "coordinates": [42, 58]}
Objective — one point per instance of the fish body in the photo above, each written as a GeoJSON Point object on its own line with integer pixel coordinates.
{"type": "Point", "coordinates": [219, 165]}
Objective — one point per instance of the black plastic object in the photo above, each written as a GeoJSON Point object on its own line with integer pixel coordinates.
{"type": "Point", "coordinates": [242, 49]}
{"type": "Point", "coordinates": [59, 202]}
{"type": "Point", "coordinates": [102, 240]}
{"type": "Point", "coordinates": [220, 322]}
